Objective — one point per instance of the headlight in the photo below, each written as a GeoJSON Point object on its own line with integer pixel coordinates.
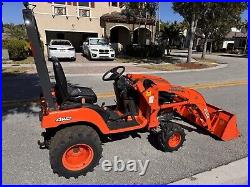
{"type": "Point", "coordinates": [71, 48]}
{"type": "Point", "coordinates": [52, 48]}
{"type": "Point", "coordinates": [94, 49]}
{"type": "Point", "coordinates": [111, 50]}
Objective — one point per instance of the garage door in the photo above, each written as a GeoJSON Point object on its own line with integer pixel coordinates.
{"type": "Point", "coordinates": [76, 38]}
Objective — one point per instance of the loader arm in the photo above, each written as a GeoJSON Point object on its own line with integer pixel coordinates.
{"type": "Point", "coordinates": [217, 121]}
{"type": "Point", "coordinates": [189, 104]}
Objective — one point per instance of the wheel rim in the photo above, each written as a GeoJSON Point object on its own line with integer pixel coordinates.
{"type": "Point", "coordinates": [174, 140]}
{"type": "Point", "coordinates": [77, 157]}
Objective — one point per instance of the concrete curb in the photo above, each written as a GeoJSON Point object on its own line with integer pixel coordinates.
{"type": "Point", "coordinates": [220, 66]}
{"type": "Point", "coordinates": [153, 72]}
{"type": "Point", "coordinates": [233, 173]}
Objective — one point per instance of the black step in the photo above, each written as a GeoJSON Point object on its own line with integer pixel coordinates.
{"type": "Point", "coordinates": [121, 124]}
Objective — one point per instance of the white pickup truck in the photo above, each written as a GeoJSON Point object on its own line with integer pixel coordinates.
{"type": "Point", "coordinates": [98, 48]}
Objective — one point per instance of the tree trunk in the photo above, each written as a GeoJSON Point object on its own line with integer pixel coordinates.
{"type": "Point", "coordinates": [211, 47]}
{"type": "Point", "coordinates": [168, 48]}
{"type": "Point", "coordinates": [132, 35]}
{"type": "Point", "coordinates": [191, 38]}
{"type": "Point", "coordinates": [204, 49]}
{"type": "Point", "coordinates": [245, 47]}
{"type": "Point", "coordinates": [138, 33]}
{"type": "Point", "coordinates": [152, 27]}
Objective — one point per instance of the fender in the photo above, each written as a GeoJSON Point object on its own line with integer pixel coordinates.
{"type": "Point", "coordinates": [84, 114]}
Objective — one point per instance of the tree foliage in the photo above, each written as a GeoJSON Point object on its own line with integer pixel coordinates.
{"type": "Point", "coordinates": [139, 12]}
{"type": "Point", "coordinates": [218, 19]}
{"type": "Point", "coordinates": [214, 19]}
{"type": "Point", "coordinates": [171, 33]}
{"type": "Point", "coordinates": [141, 9]}
{"type": "Point", "coordinates": [15, 31]}
{"type": "Point", "coordinates": [191, 12]}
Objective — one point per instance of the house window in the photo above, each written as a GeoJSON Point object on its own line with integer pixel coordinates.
{"type": "Point", "coordinates": [86, 4]}
{"type": "Point", "coordinates": [115, 4]}
{"type": "Point", "coordinates": [84, 12]}
{"type": "Point", "coordinates": [59, 10]}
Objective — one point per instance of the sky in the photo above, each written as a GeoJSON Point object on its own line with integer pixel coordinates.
{"type": "Point", "coordinates": [12, 13]}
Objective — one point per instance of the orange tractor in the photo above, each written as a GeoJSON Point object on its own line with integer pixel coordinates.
{"type": "Point", "coordinates": [74, 125]}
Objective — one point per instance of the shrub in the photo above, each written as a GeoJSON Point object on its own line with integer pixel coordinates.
{"type": "Point", "coordinates": [154, 51]}
{"type": "Point", "coordinates": [18, 49]}
{"type": "Point", "coordinates": [30, 53]}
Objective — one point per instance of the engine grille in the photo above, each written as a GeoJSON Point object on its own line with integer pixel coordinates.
{"type": "Point", "coordinates": [102, 51]}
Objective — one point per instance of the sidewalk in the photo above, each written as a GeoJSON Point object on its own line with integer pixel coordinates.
{"type": "Point", "coordinates": [233, 173]}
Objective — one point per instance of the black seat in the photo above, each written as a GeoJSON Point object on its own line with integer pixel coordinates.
{"type": "Point", "coordinates": [67, 93]}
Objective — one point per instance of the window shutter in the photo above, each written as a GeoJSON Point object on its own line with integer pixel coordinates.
{"type": "Point", "coordinates": [92, 4]}
{"type": "Point", "coordinates": [109, 3]}
{"type": "Point", "coordinates": [74, 3]}
{"type": "Point", "coordinates": [68, 3]}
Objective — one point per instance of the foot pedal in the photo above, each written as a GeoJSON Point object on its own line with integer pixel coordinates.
{"type": "Point", "coordinates": [42, 145]}
{"type": "Point", "coordinates": [103, 104]}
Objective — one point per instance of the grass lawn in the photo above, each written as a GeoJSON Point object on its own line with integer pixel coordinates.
{"type": "Point", "coordinates": [29, 60]}
{"type": "Point", "coordinates": [200, 64]}
{"type": "Point", "coordinates": [14, 71]}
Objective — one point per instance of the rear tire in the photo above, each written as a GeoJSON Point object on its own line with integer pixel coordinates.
{"type": "Point", "coordinates": [75, 151]}
{"type": "Point", "coordinates": [171, 137]}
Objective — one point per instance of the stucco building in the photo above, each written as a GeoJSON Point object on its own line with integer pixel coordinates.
{"type": "Point", "coordinates": [75, 21]}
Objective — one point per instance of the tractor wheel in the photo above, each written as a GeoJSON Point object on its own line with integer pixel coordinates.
{"type": "Point", "coordinates": [171, 137]}
{"type": "Point", "coordinates": [74, 151]}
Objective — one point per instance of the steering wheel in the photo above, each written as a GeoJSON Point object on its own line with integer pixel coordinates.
{"type": "Point", "coordinates": [114, 73]}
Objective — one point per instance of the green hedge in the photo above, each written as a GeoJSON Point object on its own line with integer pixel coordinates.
{"type": "Point", "coordinates": [18, 49]}
{"type": "Point", "coordinates": [154, 51]}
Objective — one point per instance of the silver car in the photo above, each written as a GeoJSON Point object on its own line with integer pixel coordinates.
{"type": "Point", "coordinates": [61, 49]}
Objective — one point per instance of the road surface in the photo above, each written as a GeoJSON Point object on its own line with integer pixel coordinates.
{"type": "Point", "coordinates": [23, 162]}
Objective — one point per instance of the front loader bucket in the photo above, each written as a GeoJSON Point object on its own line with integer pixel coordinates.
{"type": "Point", "coordinates": [223, 124]}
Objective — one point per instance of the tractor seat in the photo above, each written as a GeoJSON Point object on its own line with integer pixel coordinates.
{"type": "Point", "coordinates": [67, 93]}
{"type": "Point", "coordinates": [82, 92]}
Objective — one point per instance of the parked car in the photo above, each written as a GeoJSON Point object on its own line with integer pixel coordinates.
{"type": "Point", "coordinates": [98, 48]}
{"type": "Point", "coordinates": [61, 49]}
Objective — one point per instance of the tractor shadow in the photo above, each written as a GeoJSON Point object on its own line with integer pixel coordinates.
{"type": "Point", "coordinates": [192, 127]}
{"type": "Point", "coordinates": [153, 140]}
{"type": "Point", "coordinates": [122, 136]}
{"type": "Point", "coordinates": [20, 93]}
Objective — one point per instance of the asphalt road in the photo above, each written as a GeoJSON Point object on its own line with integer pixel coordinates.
{"type": "Point", "coordinates": [236, 70]}
{"type": "Point", "coordinates": [23, 162]}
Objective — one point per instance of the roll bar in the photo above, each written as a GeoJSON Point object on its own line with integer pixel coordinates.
{"type": "Point", "coordinates": [41, 67]}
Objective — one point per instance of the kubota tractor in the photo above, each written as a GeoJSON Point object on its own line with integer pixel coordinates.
{"type": "Point", "coordinates": [74, 123]}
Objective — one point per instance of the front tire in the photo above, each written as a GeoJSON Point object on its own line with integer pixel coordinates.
{"type": "Point", "coordinates": [171, 137]}
{"type": "Point", "coordinates": [75, 151]}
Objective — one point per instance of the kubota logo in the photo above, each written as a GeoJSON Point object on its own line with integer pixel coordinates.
{"type": "Point", "coordinates": [62, 119]}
